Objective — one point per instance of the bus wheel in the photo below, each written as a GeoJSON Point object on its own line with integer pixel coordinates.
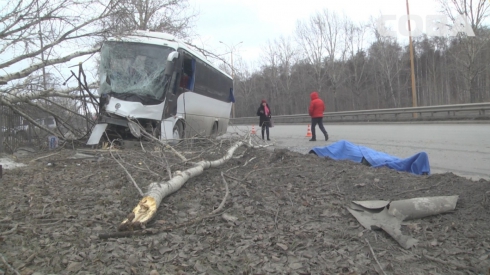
{"type": "Point", "coordinates": [214, 130]}
{"type": "Point", "coordinates": [178, 132]}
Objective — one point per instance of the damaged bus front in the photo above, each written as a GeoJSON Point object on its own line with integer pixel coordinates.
{"type": "Point", "coordinates": [156, 81]}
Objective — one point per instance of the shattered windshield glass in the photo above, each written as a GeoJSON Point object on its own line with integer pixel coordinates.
{"type": "Point", "coordinates": [133, 68]}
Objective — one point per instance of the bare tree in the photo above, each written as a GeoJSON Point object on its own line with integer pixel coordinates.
{"type": "Point", "coordinates": [287, 57]}
{"type": "Point", "coordinates": [385, 54]}
{"type": "Point", "coordinates": [169, 16]}
{"type": "Point", "coordinates": [271, 72]}
{"type": "Point", "coordinates": [336, 46]}
{"type": "Point", "coordinates": [246, 89]}
{"type": "Point", "coordinates": [310, 36]}
{"type": "Point", "coordinates": [323, 40]}
{"type": "Point", "coordinates": [357, 63]}
{"type": "Point", "coordinates": [476, 11]}
{"type": "Point", "coordinates": [278, 58]}
{"type": "Point", "coordinates": [468, 50]}
{"type": "Point", "coordinates": [37, 39]}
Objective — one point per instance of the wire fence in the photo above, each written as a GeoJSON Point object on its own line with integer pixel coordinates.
{"type": "Point", "coordinates": [16, 132]}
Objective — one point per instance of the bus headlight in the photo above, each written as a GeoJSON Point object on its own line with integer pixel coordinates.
{"type": "Point", "coordinates": [134, 128]}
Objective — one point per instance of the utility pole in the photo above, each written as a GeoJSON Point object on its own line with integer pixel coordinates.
{"type": "Point", "coordinates": [232, 48]}
{"type": "Point", "coordinates": [414, 90]}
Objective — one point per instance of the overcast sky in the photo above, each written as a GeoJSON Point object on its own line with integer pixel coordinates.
{"type": "Point", "coordinates": [256, 21]}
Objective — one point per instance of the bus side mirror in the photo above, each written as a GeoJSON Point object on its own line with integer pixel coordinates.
{"type": "Point", "coordinates": [170, 62]}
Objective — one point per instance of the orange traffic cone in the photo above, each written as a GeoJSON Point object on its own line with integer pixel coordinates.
{"type": "Point", "coordinates": [253, 130]}
{"type": "Point", "coordinates": [308, 133]}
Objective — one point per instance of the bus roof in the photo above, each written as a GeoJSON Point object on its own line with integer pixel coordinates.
{"type": "Point", "coordinates": [164, 39]}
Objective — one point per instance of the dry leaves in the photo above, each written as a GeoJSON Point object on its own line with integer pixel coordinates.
{"type": "Point", "coordinates": [60, 211]}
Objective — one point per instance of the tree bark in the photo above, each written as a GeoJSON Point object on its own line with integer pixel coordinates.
{"type": "Point", "coordinates": [157, 191]}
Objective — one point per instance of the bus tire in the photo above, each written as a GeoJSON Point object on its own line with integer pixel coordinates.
{"type": "Point", "coordinates": [214, 130]}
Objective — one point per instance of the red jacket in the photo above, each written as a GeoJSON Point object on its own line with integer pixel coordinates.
{"type": "Point", "coordinates": [317, 107]}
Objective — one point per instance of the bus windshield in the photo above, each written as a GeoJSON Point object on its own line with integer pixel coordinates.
{"type": "Point", "coordinates": [133, 68]}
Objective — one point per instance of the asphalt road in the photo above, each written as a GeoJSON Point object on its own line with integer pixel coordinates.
{"type": "Point", "coordinates": [460, 148]}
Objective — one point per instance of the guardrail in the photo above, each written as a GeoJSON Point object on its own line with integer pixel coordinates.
{"type": "Point", "coordinates": [473, 111]}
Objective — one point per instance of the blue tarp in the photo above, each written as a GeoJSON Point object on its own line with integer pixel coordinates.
{"type": "Point", "coordinates": [344, 150]}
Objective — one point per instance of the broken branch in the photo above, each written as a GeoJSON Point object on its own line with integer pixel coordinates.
{"type": "Point", "coordinates": [374, 256]}
{"type": "Point", "coordinates": [8, 266]}
{"type": "Point", "coordinates": [127, 173]}
{"type": "Point", "coordinates": [222, 204]}
{"type": "Point", "coordinates": [10, 231]}
{"type": "Point", "coordinates": [446, 263]}
{"type": "Point", "coordinates": [148, 135]}
{"type": "Point", "coordinates": [147, 207]}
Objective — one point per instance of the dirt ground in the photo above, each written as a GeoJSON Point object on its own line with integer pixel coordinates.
{"type": "Point", "coordinates": [290, 209]}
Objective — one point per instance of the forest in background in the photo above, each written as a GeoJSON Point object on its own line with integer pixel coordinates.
{"type": "Point", "coordinates": [354, 67]}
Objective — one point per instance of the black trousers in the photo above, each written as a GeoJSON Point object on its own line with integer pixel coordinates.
{"type": "Point", "coordinates": [265, 127]}
{"type": "Point", "coordinates": [314, 122]}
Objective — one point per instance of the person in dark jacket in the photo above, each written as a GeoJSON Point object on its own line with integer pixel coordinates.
{"type": "Point", "coordinates": [264, 112]}
{"type": "Point", "coordinates": [317, 107]}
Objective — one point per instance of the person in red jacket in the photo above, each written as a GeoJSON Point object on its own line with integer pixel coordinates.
{"type": "Point", "coordinates": [317, 107]}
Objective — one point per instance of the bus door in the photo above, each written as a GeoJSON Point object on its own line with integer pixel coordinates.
{"type": "Point", "coordinates": [188, 76]}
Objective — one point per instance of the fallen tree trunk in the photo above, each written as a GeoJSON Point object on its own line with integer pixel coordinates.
{"type": "Point", "coordinates": [148, 205]}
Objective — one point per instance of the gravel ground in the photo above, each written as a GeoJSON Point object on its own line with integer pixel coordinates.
{"type": "Point", "coordinates": [290, 211]}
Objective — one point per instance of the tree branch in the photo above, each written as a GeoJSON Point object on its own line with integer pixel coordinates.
{"type": "Point", "coordinates": [40, 65]}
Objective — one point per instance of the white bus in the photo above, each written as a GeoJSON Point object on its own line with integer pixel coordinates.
{"type": "Point", "coordinates": [164, 84]}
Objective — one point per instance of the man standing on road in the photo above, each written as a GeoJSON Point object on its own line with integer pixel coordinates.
{"type": "Point", "coordinates": [317, 107]}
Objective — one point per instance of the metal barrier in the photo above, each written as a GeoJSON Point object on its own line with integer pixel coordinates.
{"type": "Point", "coordinates": [426, 113]}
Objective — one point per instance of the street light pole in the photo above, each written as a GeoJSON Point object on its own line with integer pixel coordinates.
{"type": "Point", "coordinates": [232, 48]}
{"type": "Point", "coordinates": [414, 89]}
